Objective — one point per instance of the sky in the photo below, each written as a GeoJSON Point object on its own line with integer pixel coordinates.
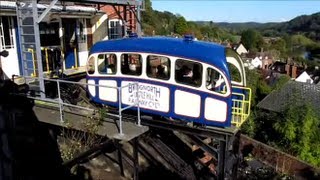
{"type": "Point", "coordinates": [238, 10]}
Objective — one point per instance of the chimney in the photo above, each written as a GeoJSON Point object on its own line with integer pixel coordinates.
{"type": "Point", "coordinates": [294, 72]}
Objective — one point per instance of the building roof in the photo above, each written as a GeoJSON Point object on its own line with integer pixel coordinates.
{"type": "Point", "coordinates": [210, 53]}
{"type": "Point", "coordinates": [304, 77]}
{"type": "Point", "coordinates": [11, 5]}
{"type": "Point", "coordinates": [292, 93]}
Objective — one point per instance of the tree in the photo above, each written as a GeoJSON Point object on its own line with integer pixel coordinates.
{"type": "Point", "coordinates": [181, 26]}
{"type": "Point", "coordinates": [280, 45]}
{"type": "Point", "coordinates": [252, 39]}
{"type": "Point", "coordinates": [300, 133]}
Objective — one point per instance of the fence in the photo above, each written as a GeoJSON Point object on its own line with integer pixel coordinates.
{"type": "Point", "coordinates": [280, 161]}
{"type": "Point", "coordinates": [29, 80]}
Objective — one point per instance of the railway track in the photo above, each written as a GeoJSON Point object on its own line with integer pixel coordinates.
{"type": "Point", "coordinates": [156, 149]}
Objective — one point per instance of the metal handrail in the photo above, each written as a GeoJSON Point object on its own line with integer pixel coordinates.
{"type": "Point", "coordinates": [61, 103]}
{"type": "Point", "coordinates": [241, 107]}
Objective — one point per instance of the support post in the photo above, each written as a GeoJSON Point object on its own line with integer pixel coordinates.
{"type": "Point", "coordinates": [138, 20]}
{"type": "Point", "coordinates": [119, 157]}
{"type": "Point", "coordinates": [221, 159]}
{"type": "Point", "coordinates": [60, 102]}
{"type": "Point", "coordinates": [46, 11]}
{"type": "Point", "coordinates": [124, 21]}
{"type": "Point", "coordinates": [38, 48]}
{"type": "Point", "coordinates": [138, 104]}
{"type": "Point", "coordinates": [135, 159]}
{"type": "Point", "coordinates": [120, 111]}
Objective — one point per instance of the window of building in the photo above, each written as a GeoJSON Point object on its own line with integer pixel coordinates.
{"type": "Point", "coordinates": [131, 64]}
{"type": "Point", "coordinates": [91, 65]}
{"type": "Point", "coordinates": [6, 32]}
{"type": "Point", "coordinates": [215, 81]}
{"type": "Point", "coordinates": [107, 63]}
{"type": "Point", "coordinates": [115, 29]}
{"type": "Point", "coordinates": [188, 72]}
{"type": "Point", "coordinates": [158, 67]}
{"type": "Point", "coordinates": [49, 34]}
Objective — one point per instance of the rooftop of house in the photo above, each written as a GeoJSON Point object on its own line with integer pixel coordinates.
{"type": "Point", "coordinates": [292, 93]}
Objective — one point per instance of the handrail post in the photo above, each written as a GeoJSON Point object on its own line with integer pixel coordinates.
{"type": "Point", "coordinates": [120, 111]}
{"type": "Point", "coordinates": [139, 120]}
{"type": "Point", "coordinates": [47, 59]}
{"type": "Point", "coordinates": [60, 105]}
{"type": "Point", "coordinates": [75, 58]}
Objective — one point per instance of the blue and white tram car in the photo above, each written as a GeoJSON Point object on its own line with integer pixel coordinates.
{"type": "Point", "coordinates": [178, 78]}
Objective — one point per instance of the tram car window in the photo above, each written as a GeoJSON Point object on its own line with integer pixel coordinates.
{"type": "Point", "coordinates": [188, 72]}
{"type": "Point", "coordinates": [131, 64]}
{"type": "Point", "coordinates": [107, 63]}
{"type": "Point", "coordinates": [234, 73]}
{"type": "Point", "coordinates": [158, 67]}
{"type": "Point", "coordinates": [91, 65]}
{"type": "Point", "coordinates": [215, 81]}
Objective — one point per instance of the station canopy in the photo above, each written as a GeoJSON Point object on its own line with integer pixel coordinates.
{"type": "Point", "coordinates": [58, 7]}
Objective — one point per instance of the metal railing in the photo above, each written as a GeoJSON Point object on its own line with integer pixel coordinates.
{"type": "Point", "coordinates": [61, 103]}
{"type": "Point", "coordinates": [34, 74]}
{"type": "Point", "coordinates": [241, 105]}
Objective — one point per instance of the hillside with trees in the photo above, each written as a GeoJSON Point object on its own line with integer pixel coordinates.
{"type": "Point", "coordinates": [307, 25]}
{"type": "Point", "coordinates": [169, 24]}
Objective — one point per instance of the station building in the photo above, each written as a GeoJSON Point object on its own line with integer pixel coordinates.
{"type": "Point", "coordinates": [66, 35]}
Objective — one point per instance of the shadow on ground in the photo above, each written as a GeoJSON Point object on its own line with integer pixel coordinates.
{"type": "Point", "coordinates": [29, 149]}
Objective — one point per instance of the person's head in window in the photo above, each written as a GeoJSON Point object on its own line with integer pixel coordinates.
{"type": "Point", "coordinates": [91, 66]}
{"type": "Point", "coordinates": [187, 72]}
{"type": "Point", "coordinates": [160, 72]}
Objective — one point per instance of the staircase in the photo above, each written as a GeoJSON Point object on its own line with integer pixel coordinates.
{"type": "Point", "coordinates": [29, 37]}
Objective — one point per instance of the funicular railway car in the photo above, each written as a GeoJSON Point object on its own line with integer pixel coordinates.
{"type": "Point", "coordinates": [177, 78]}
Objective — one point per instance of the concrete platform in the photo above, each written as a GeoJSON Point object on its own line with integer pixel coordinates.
{"type": "Point", "coordinates": [107, 127]}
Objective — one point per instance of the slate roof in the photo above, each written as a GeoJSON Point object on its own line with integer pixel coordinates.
{"type": "Point", "coordinates": [292, 93]}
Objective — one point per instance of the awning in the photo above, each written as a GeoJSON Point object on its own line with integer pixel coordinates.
{"type": "Point", "coordinates": [11, 5]}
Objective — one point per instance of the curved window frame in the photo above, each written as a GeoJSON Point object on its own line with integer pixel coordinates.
{"type": "Point", "coordinates": [179, 77]}
{"type": "Point", "coordinates": [221, 79]}
{"type": "Point", "coordinates": [157, 76]}
{"type": "Point", "coordinates": [238, 63]}
{"type": "Point", "coordinates": [88, 64]}
{"type": "Point", "coordinates": [129, 69]}
{"type": "Point", "coordinates": [109, 70]}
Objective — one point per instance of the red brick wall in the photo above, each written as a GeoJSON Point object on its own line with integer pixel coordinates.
{"type": "Point", "coordinates": [112, 14]}
{"type": "Point", "coordinates": [288, 69]}
{"type": "Point", "coordinates": [294, 72]}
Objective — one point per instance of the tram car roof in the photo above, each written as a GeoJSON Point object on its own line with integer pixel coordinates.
{"type": "Point", "coordinates": [188, 48]}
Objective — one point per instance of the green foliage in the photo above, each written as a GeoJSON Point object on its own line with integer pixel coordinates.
{"type": "Point", "coordinates": [307, 25]}
{"type": "Point", "coordinates": [253, 77]}
{"type": "Point", "coordinates": [300, 133]}
{"type": "Point", "coordinates": [301, 40]}
{"type": "Point", "coordinates": [280, 82]}
{"type": "Point", "coordinates": [249, 126]}
{"type": "Point", "coordinates": [252, 40]}
{"type": "Point", "coordinates": [181, 26]}
{"type": "Point", "coordinates": [280, 46]}
{"type": "Point", "coordinates": [168, 24]}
